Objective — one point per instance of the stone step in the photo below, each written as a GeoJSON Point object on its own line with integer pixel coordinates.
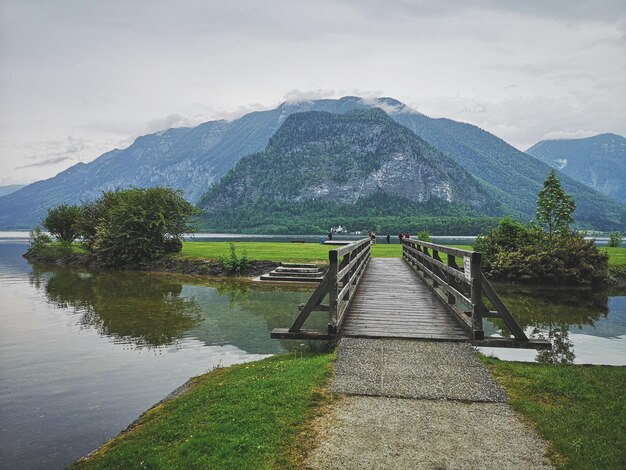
{"type": "Point", "coordinates": [283, 269]}
{"type": "Point", "coordinates": [292, 274]}
{"type": "Point", "coordinates": [299, 265]}
{"type": "Point", "coordinates": [266, 277]}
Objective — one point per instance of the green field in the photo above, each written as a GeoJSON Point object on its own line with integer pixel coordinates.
{"type": "Point", "coordinates": [278, 251]}
{"type": "Point", "coordinates": [291, 252]}
{"type": "Point", "coordinates": [617, 256]}
{"type": "Point", "coordinates": [247, 416]}
{"type": "Point", "coordinates": [580, 410]}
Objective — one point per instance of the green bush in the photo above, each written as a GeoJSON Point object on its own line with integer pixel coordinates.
{"type": "Point", "coordinates": [423, 235]}
{"type": "Point", "coordinates": [513, 252]}
{"type": "Point", "coordinates": [39, 239]}
{"type": "Point", "coordinates": [124, 228]}
{"type": "Point", "coordinates": [136, 226]}
{"type": "Point", "coordinates": [615, 239]}
{"type": "Point", "coordinates": [234, 263]}
{"type": "Point", "coordinates": [63, 222]}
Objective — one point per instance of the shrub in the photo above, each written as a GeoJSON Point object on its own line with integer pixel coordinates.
{"type": "Point", "coordinates": [63, 222]}
{"type": "Point", "coordinates": [514, 252]}
{"type": "Point", "coordinates": [423, 235]}
{"type": "Point", "coordinates": [615, 239]}
{"type": "Point", "coordinates": [39, 239]}
{"type": "Point", "coordinates": [234, 263]}
{"type": "Point", "coordinates": [136, 226]}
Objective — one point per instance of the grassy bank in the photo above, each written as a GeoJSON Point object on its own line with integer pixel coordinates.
{"type": "Point", "coordinates": [283, 251]}
{"type": "Point", "coordinates": [245, 416]}
{"type": "Point", "coordinates": [580, 410]}
{"type": "Point", "coordinates": [279, 251]}
{"type": "Point", "coordinates": [617, 256]}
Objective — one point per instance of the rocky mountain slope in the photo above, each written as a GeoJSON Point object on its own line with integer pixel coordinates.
{"type": "Point", "coordinates": [598, 162]}
{"type": "Point", "coordinates": [10, 188]}
{"type": "Point", "coordinates": [193, 159]}
{"type": "Point", "coordinates": [319, 157]}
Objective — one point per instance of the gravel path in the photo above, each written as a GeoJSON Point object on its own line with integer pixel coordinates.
{"type": "Point", "coordinates": [420, 405]}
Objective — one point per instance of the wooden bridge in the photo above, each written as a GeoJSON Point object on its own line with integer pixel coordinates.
{"type": "Point", "coordinates": [434, 292]}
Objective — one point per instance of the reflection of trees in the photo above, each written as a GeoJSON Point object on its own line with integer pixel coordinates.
{"type": "Point", "coordinates": [237, 292]}
{"type": "Point", "coordinates": [554, 310]}
{"type": "Point", "coordinates": [137, 308]}
{"type": "Point", "coordinates": [562, 351]}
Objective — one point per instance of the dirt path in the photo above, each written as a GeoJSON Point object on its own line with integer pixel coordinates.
{"type": "Point", "coordinates": [423, 405]}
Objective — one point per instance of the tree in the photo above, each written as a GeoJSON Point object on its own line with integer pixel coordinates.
{"type": "Point", "coordinates": [615, 239]}
{"type": "Point", "coordinates": [63, 222]}
{"type": "Point", "coordinates": [554, 206]}
{"type": "Point", "coordinates": [135, 226]}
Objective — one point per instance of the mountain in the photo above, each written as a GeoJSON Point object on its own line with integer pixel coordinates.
{"type": "Point", "coordinates": [10, 188]}
{"type": "Point", "coordinates": [318, 161]}
{"type": "Point", "coordinates": [598, 162]}
{"type": "Point", "coordinates": [193, 159]}
{"type": "Point", "coordinates": [190, 159]}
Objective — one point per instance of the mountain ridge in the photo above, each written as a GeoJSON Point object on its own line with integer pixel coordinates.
{"type": "Point", "coordinates": [598, 161]}
{"type": "Point", "coordinates": [193, 159]}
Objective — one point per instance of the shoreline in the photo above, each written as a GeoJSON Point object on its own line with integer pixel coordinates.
{"type": "Point", "coordinates": [168, 264]}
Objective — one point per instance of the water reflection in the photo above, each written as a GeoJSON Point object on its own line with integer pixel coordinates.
{"type": "Point", "coordinates": [134, 308]}
{"type": "Point", "coordinates": [555, 313]}
{"type": "Point", "coordinates": [148, 310]}
{"type": "Point", "coordinates": [562, 346]}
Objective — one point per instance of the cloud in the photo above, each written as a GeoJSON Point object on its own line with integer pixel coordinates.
{"type": "Point", "coordinates": [390, 106]}
{"type": "Point", "coordinates": [171, 120]}
{"type": "Point", "coordinates": [303, 96]}
{"type": "Point", "coordinates": [44, 162]}
{"type": "Point", "coordinates": [52, 152]}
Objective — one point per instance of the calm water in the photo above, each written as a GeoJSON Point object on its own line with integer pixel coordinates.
{"type": "Point", "coordinates": [82, 354]}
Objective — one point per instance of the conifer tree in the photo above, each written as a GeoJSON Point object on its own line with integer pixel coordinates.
{"type": "Point", "coordinates": [554, 206]}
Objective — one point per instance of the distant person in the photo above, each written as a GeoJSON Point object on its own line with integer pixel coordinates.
{"type": "Point", "coordinates": [330, 235]}
{"type": "Point", "coordinates": [388, 239]}
{"type": "Point", "coordinates": [372, 238]}
{"type": "Point", "coordinates": [400, 236]}
{"type": "Point", "coordinates": [407, 236]}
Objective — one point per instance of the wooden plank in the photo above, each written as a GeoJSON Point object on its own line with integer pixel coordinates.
{"type": "Point", "coordinates": [539, 344]}
{"type": "Point", "coordinates": [360, 273]}
{"type": "Point", "coordinates": [476, 296]}
{"type": "Point", "coordinates": [351, 247]}
{"type": "Point", "coordinates": [392, 302]}
{"type": "Point", "coordinates": [442, 248]}
{"type": "Point", "coordinates": [314, 301]}
{"type": "Point", "coordinates": [496, 301]}
{"type": "Point", "coordinates": [284, 333]}
{"type": "Point", "coordinates": [459, 275]}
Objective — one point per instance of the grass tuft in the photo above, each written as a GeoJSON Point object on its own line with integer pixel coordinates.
{"type": "Point", "coordinates": [580, 410]}
{"type": "Point", "coordinates": [244, 416]}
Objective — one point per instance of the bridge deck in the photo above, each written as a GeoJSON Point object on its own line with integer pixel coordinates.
{"type": "Point", "coordinates": [391, 301]}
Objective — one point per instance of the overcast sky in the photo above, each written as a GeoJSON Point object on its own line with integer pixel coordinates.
{"type": "Point", "coordinates": [78, 78]}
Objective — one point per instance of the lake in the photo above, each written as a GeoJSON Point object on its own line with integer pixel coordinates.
{"type": "Point", "coordinates": [82, 353]}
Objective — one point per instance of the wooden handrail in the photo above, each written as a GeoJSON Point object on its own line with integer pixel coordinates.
{"type": "Point", "coordinates": [345, 270]}
{"type": "Point", "coordinates": [462, 283]}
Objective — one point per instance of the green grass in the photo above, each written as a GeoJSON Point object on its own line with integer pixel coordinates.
{"type": "Point", "coordinates": [245, 416]}
{"type": "Point", "coordinates": [617, 256]}
{"type": "Point", "coordinates": [278, 251]}
{"type": "Point", "coordinates": [311, 252]}
{"type": "Point", "coordinates": [580, 410]}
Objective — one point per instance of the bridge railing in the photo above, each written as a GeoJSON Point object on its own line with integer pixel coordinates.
{"type": "Point", "coordinates": [346, 266]}
{"type": "Point", "coordinates": [460, 284]}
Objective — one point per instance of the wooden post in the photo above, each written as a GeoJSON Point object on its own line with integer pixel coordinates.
{"type": "Point", "coordinates": [476, 297]}
{"type": "Point", "coordinates": [346, 278]}
{"type": "Point", "coordinates": [332, 291]}
{"type": "Point", "coordinates": [451, 283]}
{"type": "Point", "coordinates": [434, 269]}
